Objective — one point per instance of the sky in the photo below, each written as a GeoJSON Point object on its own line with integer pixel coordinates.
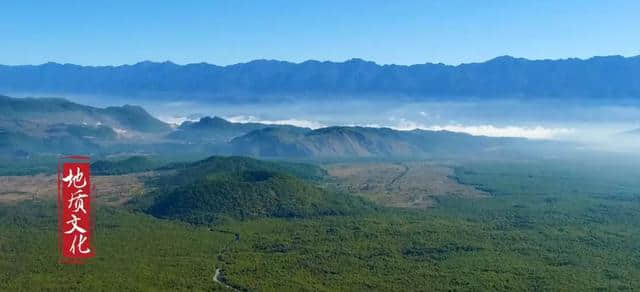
{"type": "Point", "coordinates": [386, 32]}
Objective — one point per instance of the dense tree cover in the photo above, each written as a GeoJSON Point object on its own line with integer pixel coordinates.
{"type": "Point", "coordinates": [219, 164]}
{"type": "Point", "coordinates": [244, 188]}
{"type": "Point", "coordinates": [251, 194]}
{"type": "Point", "coordinates": [127, 165]}
{"type": "Point", "coordinates": [548, 225]}
{"type": "Point", "coordinates": [134, 252]}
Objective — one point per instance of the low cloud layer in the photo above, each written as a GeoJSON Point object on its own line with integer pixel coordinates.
{"type": "Point", "coordinates": [292, 122]}
{"type": "Point", "coordinates": [537, 132]}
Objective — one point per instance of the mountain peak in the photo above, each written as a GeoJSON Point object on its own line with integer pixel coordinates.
{"type": "Point", "coordinates": [505, 59]}
{"type": "Point", "coordinates": [269, 80]}
{"type": "Point", "coordinates": [152, 63]}
{"type": "Point", "coordinates": [213, 120]}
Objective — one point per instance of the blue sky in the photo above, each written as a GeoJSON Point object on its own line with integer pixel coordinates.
{"type": "Point", "coordinates": [398, 32]}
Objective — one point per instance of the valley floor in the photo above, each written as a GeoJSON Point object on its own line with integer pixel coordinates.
{"type": "Point", "coordinates": [113, 190]}
{"type": "Point", "coordinates": [543, 225]}
{"type": "Point", "coordinates": [409, 184]}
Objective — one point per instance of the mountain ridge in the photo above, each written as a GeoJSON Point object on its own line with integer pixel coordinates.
{"type": "Point", "coordinates": [59, 110]}
{"type": "Point", "coordinates": [216, 129]}
{"type": "Point", "coordinates": [242, 188]}
{"type": "Point", "coordinates": [354, 59]}
{"type": "Point", "coordinates": [363, 142]}
{"type": "Point", "coordinates": [504, 76]}
{"type": "Point", "coordinates": [54, 126]}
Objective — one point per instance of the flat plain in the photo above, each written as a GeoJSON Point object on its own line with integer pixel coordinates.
{"type": "Point", "coordinates": [409, 184]}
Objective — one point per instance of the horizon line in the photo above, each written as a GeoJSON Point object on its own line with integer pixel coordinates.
{"type": "Point", "coordinates": [354, 59]}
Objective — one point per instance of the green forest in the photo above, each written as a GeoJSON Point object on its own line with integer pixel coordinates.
{"type": "Point", "coordinates": [547, 225]}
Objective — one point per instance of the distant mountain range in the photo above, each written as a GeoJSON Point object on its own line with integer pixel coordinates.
{"type": "Point", "coordinates": [217, 130]}
{"type": "Point", "coordinates": [337, 142]}
{"type": "Point", "coordinates": [37, 126]}
{"type": "Point", "coordinates": [55, 125]}
{"type": "Point", "coordinates": [598, 77]}
{"type": "Point", "coordinates": [51, 111]}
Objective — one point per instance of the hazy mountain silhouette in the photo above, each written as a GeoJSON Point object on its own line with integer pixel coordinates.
{"type": "Point", "coordinates": [55, 125]}
{"type": "Point", "coordinates": [49, 111]}
{"type": "Point", "coordinates": [215, 130]}
{"type": "Point", "coordinates": [598, 77]}
{"type": "Point", "coordinates": [51, 125]}
{"type": "Point", "coordinates": [335, 142]}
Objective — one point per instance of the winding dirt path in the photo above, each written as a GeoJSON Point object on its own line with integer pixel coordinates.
{"type": "Point", "coordinates": [216, 278]}
{"type": "Point", "coordinates": [399, 176]}
{"type": "Point", "coordinates": [218, 272]}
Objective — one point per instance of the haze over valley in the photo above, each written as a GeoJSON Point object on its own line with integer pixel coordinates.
{"type": "Point", "coordinates": [320, 145]}
{"type": "Point", "coordinates": [587, 101]}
